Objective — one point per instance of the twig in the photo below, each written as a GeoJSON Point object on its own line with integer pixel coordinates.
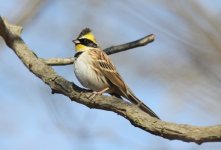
{"type": "Point", "coordinates": [59, 61]}
{"type": "Point", "coordinates": [187, 133]}
{"type": "Point", "coordinates": [111, 50]}
{"type": "Point", "coordinates": [141, 42]}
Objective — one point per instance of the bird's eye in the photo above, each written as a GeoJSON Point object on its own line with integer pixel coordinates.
{"type": "Point", "coordinates": [85, 41]}
{"type": "Point", "coordinates": [88, 42]}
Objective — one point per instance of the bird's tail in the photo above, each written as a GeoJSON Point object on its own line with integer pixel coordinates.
{"type": "Point", "coordinates": [133, 99]}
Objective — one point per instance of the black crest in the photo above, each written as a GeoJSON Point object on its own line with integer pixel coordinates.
{"type": "Point", "coordinates": [84, 31]}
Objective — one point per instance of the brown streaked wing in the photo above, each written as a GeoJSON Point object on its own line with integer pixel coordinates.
{"type": "Point", "coordinates": [108, 69]}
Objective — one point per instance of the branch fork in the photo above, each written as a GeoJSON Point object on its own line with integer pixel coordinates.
{"type": "Point", "coordinates": [42, 69]}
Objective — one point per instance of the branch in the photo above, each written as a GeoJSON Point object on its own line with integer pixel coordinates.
{"type": "Point", "coordinates": [141, 42]}
{"type": "Point", "coordinates": [187, 133]}
{"type": "Point", "coordinates": [111, 50]}
{"type": "Point", "coordinates": [59, 61]}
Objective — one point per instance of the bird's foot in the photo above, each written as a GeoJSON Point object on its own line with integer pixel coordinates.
{"type": "Point", "coordinates": [94, 93]}
{"type": "Point", "coordinates": [80, 94]}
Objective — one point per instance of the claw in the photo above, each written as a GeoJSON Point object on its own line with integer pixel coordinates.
{"type": "Point", "coordinates": [79, 96]}
{"type": "Point", "coordinates": [97, 93]}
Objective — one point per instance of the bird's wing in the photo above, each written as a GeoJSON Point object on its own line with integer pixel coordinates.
{"type": "Point", "coordinates": [103, 63]}
{"type": "Point", "coordinates": [107, 68]}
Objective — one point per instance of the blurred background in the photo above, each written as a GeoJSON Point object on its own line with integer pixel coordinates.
{"type": "Point", "coordinates": [178, 75]}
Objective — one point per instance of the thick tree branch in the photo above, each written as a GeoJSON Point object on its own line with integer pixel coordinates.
{"type": "Point", "coordinates": [111, 50]}
{"type": "Point", "coordinates": [188, 133]}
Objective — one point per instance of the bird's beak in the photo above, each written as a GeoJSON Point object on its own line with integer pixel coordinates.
{"type": "Point", "coordinates": [76, 42]}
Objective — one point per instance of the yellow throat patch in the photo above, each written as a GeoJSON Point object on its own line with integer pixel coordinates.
{"type": "Point", "coordinates": [85, 34]}
{"type": "Point", "coordinates": [80, 47]}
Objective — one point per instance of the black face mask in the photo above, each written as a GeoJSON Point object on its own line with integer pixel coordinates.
{"type": "Point", "coordinates": [88, 43]}
{"type": "Point", "coordinates": [77, 54]}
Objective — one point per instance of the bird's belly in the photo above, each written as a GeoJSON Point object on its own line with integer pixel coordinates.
{"type": "Point", "coordinates": [88, 77]}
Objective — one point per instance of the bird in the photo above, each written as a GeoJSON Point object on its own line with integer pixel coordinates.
{"type": "Point", "coordinates": [95, 70]}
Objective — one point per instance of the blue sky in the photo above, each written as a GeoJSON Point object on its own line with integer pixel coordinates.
{"type": "Point", "coordinates": [32, 118]}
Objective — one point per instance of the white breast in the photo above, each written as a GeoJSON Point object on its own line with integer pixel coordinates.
{"type": "Point", "coordinates": [86, 75]}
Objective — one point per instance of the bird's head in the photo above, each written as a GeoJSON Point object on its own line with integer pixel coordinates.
{"type": "Point", "coordinates": [85, 41]}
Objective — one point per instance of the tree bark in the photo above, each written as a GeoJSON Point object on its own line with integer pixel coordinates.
{"type": "Point", "coordinates": [11, 35]}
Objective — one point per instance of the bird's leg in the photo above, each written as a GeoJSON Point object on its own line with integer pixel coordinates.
{"type": "Point", "coordinates": [83, 91]}
{"type": "Point", "coordinates": [98, 93]}
{"type": "Point", "coordinates": [79, 96]}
